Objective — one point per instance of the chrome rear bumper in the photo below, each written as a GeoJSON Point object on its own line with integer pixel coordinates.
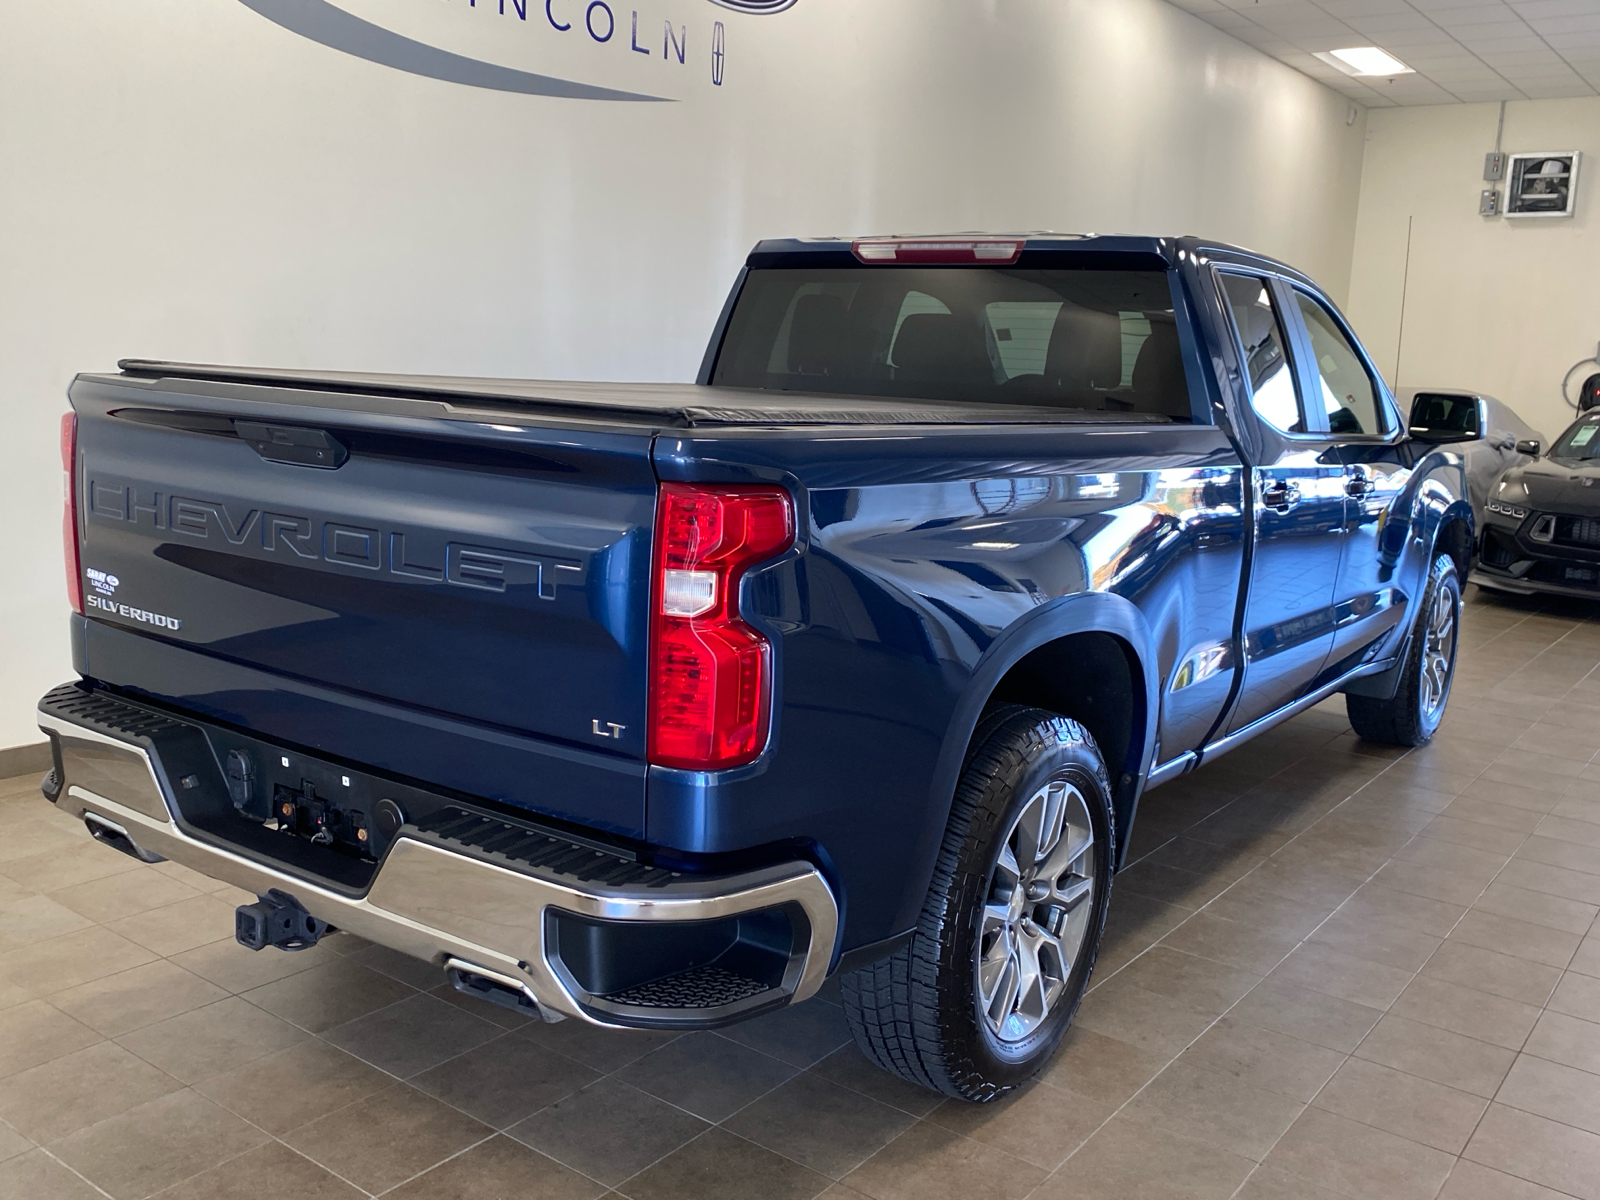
{"type": "Point", "coordinates": [441, 906]}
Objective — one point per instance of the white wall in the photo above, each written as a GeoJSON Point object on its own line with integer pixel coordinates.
{"type": "Point", "coordinates": [182, 178]}
{"type": "Point", "coordinates": [1499, 305]}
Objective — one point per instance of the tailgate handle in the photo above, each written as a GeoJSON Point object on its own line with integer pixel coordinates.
{"type": "Point", "coordinates": [294, 444]}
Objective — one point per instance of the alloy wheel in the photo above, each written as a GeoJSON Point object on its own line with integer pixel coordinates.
{"type": "Point", "coordinates": [1438, 651]}
{"type": "Point", "coordinates": [1037, 911]}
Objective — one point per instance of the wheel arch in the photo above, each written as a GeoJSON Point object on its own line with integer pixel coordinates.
{"type": "Point", "coordinates": [1456, 536]}
{"type": "Point", "coordinates": [1453, 533]}
{"type": "Point", "coordinates": [1439, 508]}
{"type": "Point", "coordinates": [1086, 656]}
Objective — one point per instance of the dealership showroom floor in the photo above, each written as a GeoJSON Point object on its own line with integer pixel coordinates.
{"type": "Point", "coordinates": [1332, 970]}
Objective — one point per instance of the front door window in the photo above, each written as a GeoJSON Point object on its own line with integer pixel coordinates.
{"type": "Point", "coordinates": [1349, 396]}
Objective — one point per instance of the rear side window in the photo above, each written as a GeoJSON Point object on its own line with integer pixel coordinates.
{"type": "Point", "coordinates": [1272, 388]}
{"type": "Point", "coordinates": [1349, 396]}
{"type": "Point", "coordinates": [1101, 341]}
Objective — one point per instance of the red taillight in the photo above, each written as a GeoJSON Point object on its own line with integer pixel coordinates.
{"type": "Point", "coordinates": [955, 251]}
{"type": "Point", "coordinates": [69, 509]}
{"type": "Point", "coordinates": [711, 677]}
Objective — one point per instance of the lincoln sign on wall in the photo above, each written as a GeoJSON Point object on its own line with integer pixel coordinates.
{"type": "Point", "coordinates": [577, 49]}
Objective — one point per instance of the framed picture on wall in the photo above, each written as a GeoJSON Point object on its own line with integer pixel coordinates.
{"type": "Point", "coordinates": [1544, 184]}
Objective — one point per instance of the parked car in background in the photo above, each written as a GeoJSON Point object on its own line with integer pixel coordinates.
{"type": "Point", "coordinates": [1488, 434]}
{"type": "Point", "coordinates": [1541, 527]}
{"type": "Point", "coordinates": [654, 706]}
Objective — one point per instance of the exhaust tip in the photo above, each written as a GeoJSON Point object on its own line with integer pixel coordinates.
{"type": "Point", "coordinates": [109, 833]}
{"type": "Point", "coordinates": [498, 989]}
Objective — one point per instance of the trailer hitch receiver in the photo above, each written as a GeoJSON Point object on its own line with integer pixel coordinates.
{"type": "Point", "coordinates": [277, 919]}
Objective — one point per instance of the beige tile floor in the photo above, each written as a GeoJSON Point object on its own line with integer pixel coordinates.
{"type": "Point", "coordinates": [1331, 970]}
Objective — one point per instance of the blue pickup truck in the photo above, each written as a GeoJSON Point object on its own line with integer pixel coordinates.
{"type": "Point", "coordinates": [656, 706]}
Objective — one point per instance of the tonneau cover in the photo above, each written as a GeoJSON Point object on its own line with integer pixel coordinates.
{"type": "Point", "coordinates": [685, 405]}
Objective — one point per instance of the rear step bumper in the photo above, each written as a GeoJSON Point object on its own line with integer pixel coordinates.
{"type": "Point", "coordinates": [674, 953]}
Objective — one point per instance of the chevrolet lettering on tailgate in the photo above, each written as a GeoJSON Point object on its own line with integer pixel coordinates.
{"type": "Point", "coordinates": [258, 533]}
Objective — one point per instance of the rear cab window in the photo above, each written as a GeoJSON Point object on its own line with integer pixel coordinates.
{"type": "Point", "coordinates": [1102, 341]}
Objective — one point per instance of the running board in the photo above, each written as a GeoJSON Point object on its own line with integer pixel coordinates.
{"type": "Point", "coordinates": [1171, 769]}
{"type": "Point", "coordinates": [1309, 700]}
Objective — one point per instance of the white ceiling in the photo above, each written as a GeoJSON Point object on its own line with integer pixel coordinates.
{"type": "Point", "coordinates": [1461, 50]}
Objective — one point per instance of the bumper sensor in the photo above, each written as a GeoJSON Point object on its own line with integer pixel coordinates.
{"type": "Point", "coordinates": [277, 919]}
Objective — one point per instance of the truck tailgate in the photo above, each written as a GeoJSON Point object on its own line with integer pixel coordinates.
{"type": "Point", "coordinates": [467, 573]}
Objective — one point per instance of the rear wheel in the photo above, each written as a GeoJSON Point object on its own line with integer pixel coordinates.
{"type": "Point", "coordinates": [979, 999]}
{"type": "Point", "coordinates": [1413, 714]}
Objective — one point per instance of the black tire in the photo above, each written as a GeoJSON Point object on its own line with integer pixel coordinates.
{"type": "Point", "coordinates": [918, 1013]}
{"type": "Point", "coordinates": [1412, 716]}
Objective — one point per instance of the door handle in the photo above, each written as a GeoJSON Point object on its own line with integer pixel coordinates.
{"type": "Point", "coordinates": [1280, 495]}
{"type": "Point", "coordinates": [1357, 483]}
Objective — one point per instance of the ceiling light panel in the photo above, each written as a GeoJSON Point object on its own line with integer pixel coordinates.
{"type": "Point", "coordinates": [1365, 61]}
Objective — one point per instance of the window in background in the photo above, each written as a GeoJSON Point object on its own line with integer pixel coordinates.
{"type": "Point", "coordinates": [916, 304]}
{"type": "Point", "coordinates": [1022, 331]}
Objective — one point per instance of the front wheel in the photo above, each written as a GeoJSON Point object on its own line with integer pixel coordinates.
{"type": "Point", "coordinates": [980, 998]}
{"type": "Point", "coordinates": [1413, 714]}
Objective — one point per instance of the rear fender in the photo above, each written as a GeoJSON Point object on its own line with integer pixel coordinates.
{"type": "Point", "coordinates": [1088, 612]}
